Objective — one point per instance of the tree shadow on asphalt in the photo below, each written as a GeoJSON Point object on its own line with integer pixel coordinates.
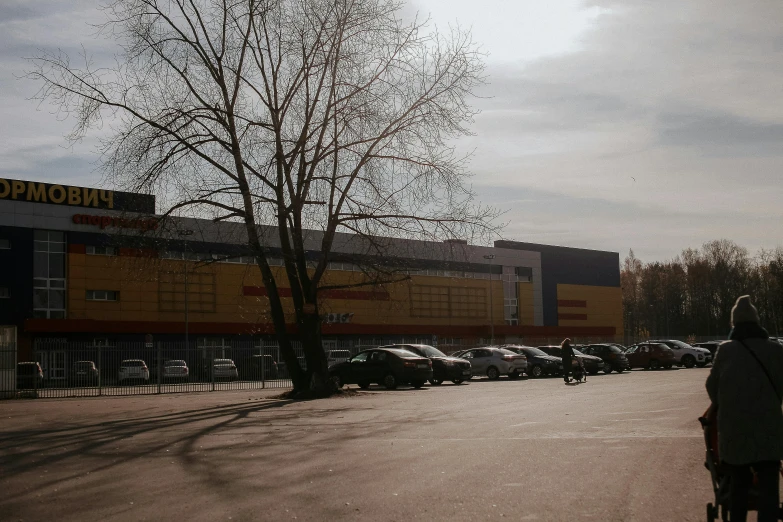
{"type": "Point", "coordinates": [94, 448]}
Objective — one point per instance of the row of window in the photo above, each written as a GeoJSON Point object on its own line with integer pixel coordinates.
{"type": "Point", "coordinates": [276, 261]}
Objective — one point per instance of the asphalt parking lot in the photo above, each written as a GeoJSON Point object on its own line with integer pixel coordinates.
{"type": "Point", "coordinates": [619, 447]}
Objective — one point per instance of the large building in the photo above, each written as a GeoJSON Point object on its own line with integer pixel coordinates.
{"type": "Point", "coordinates": [98, 266]}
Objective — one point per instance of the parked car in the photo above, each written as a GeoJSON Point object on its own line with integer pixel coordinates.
{"type": "Point", "coordinates": [494, 362]}
{"type": "Point", "coordinates": [29, 375]}
{"type": "Point", "coordinates": [652, 356]}
{"type": "Point", "coordinates": [224, 369]}
{"type": "Point", "coordinates": [712, 346]}
{"type": "Point", "coordinates": [83, 373]}
{"type": "Point", "coordinates": [175, 370]}
{"type": "Point", "coordinates": [539, 363]}
{"type": "Point", "coordinates": [262, 367]}
{"type": "Point", "coordinates": [592, 363]}
{"type": "Point", "coordinates": [614, 358]}
{"type": "Point", "coordinates": [337, 356]}
{"type": "Point", "coordinates": [133, 370]}
{"type": "Point", "coordinates": [387, 366]}
{"type": "Point", "coordinates": [444, 367]}
{"type": "Point", "coordinates": [686, 354]}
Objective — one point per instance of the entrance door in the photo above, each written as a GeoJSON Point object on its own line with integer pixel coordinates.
{"type": "Point", "coordinates": [53, 365]}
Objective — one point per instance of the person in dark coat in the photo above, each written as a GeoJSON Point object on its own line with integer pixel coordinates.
{"type": "Point", "coordinates": [567, 353]}
{"type": "Point", "coordinates": [745, 384]}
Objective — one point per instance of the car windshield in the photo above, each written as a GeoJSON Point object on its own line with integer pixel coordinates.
{"type": "Point", "coordinates": [506, 351]}
{"type": "Point", "coordinates": [430, 351]}
{"type": "Point", "coordinates": [534, 352]}
{"type": "Point", "coordinates": [576, 352]}
{"type": "Point", "coordinates": [224, 361]}
{"type": "Point", "coordinates": [403, 353]}
{"type": "Point", "coordinates": [133, 363]}
{"type": "Point", "coordinates": [680, 344]}
{"type": "Point", "coordinates": [614, 349]}
{"type": "Point", "coordinates": [82, 365]}
{"type": "Point", "coordinates": [175, 363]}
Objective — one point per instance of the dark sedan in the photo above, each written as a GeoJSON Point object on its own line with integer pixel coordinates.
{"type": "Point", "coordinates": [444, 368]}
{"type": "Point", "coordinates": [29, 375]}
{"type": "Point", "coordinates": [614, 358]}
{"type": "Point", "coordinates": [539, 363]}
{"type": "Point", "coordinates": [592, 363]}
{"type": "Point", "coordinates": [387, 366]}
{"type": "Point", "coordinates": [712, 346]}
{"type": "Point", "coordinates": [84, 373]}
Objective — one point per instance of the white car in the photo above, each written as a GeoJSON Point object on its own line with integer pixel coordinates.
{"type": "Point", "coordinates": [225, 369]}
{"type": "Point", "coordinates": [134, 370]}
{"type": "Point", "coordinates": [687, 355]}
{"type": "Point", "coordinates": [494, 362]}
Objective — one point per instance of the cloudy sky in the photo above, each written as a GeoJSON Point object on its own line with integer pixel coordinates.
{"type": "Point", "coordinates": [652, 125]}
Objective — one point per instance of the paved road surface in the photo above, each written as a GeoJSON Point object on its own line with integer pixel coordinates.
{"type": "Point", "coordinates": [620, 447]}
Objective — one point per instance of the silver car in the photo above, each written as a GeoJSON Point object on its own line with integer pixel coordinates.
{"type": "Point", "coordinates": [134, 370]}
{"type": "Point", "coordinates": [494, 362]}
{"type": "Point", "coordinates": [225, 369]}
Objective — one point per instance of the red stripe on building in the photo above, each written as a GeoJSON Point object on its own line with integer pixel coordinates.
{"type": "Point", "coordinates": [260, 291]}
{"type": "Point", "coordinates": [77, 249]}
{"type": "Point", "coordinates": [357, 295]}
{"type": "Point", "coordinates": [572, 317]}
{"type": "Point", "coordinates": [572, 303]}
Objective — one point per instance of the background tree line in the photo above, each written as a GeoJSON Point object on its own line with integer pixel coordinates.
{"type": "Point", "coordinates": [692, 294]}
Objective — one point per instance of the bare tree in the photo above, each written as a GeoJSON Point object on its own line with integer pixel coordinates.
{"type": "Point", "coordinates": [325, 115]}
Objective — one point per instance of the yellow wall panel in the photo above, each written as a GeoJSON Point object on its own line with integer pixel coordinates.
{"type": "Point", "coordinates": [604, 306]}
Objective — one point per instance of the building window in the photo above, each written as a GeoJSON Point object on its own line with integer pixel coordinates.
{"type": "Point", "coordinates": [510, 278]}
{"type": "Point", "coordinates": [5, 244]}
{"type": "Point", "coordinates": [444, 301]}
{"type": "Point", "coordinates": [4, 293]}
{"type": "Point", "coordinates": [197, 289]}
{"type": "Point", "coordinates": [48, 274]}
{"type": "Point", "coordinates": [102, 295]}
{"type": "Point", "coordinates": [101, 250]}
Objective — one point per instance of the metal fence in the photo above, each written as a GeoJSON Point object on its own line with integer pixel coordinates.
{"type": "Point", "coordinates": [76, 369]}
{"type": "Point", "coordinates": [59, 368]}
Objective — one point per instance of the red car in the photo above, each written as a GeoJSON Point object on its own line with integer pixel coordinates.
{"type": "Point", "coordinates": [652, 356]}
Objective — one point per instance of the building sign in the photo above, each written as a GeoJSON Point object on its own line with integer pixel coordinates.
{"type": "Point", "coordinates": [33, 192]}
{"type": "Point", "coordinates": [143, 224]}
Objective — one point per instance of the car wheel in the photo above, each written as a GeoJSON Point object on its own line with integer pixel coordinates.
{"type": "Point", "coordinates": [493, 373]}
{"type": "Point", "coordinates": [364, 385]}
{"type": "Point", "coordinates": [536, 371]}
{"type": "Point", "coordinates": [436, 382]}
{"type": "Point", "coordinates": [390, 381]}
{"type": "Point", "coordinates": [655, 365]}
{"type": "Point", "coordinates": [620, 369]}
{"type": "Point", "coordinates": [688, 361]}
{"type": "Point", "coordinates": [593, 372]}
{"type": "Point", "coordinates": [513, 375]}
{"type": "Point", "coordinates": [701, 364]}
{"type": "Point", "coordinates": [457, 381]}
{"type": "Point", "coordinates": [669, 366]}
{"type": "Point", "coordinates": [418, 384]}
{"type": "Point", "coordinates": [607, 369]}
{"type": "Point", "coordinates": [337, 382]}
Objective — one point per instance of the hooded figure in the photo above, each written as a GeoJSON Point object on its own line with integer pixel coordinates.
{"type": "Point", "coordinates": [745, 384]}
{"type": "Point", "coordinates": [567, 353]}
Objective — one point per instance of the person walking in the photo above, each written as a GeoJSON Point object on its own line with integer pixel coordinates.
{"type": "Point", "coordinates": [567, 353]}
{"type": "Point", "coordinates": [745, 385]}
